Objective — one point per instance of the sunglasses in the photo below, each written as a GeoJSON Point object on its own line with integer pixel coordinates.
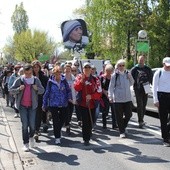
{"type": "Point", "coordinates": [121, 65]}
{"type": "Point", "coordinates": [73, 70]}
{"type": "Point", "coordinates": [87, 67]}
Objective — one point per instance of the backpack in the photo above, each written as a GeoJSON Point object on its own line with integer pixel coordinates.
{"type": "Point", "coordinates": [141, 78]}
{"type": "Point", "coordinates": [22, 82]}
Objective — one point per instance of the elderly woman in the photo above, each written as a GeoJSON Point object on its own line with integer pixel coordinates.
{"type": "Point", "coordinates": [105, 80]}
{"type": "Point", "coordinates": [56, 98]}
{"type": "Point", "coordinates": [119, 94]}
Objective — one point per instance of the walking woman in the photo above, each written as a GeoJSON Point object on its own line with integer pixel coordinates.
{"type": "Point", "coordinates": [27, 88]}
{"type": "Point", "coordinates": [89, 89]}
{"type": "Point", "coordinates": [119, 94]}
{"type": "Point", "coordinates": [56, 98]}
{"type": "Point", "coordinates": [41, 116]}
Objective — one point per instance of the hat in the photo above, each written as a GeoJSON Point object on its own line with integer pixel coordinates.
{"type": "Point", "coordinates": [107, 62]}
{"type": "Point", "coordinates": [166, 61]}
{"type": "Point", "coordinates": [68, 27]}
{"type": "Point", "coordinates": [86, 64]}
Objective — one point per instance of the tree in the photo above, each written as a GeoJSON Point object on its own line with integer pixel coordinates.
{"type": "Point", "coordinates": [19, 19]}
{"type": "Point", "coordinates": [28, 45]}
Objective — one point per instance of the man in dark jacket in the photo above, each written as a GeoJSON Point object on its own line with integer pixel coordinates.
{"type": "Point", "coordinates": [142, 75]}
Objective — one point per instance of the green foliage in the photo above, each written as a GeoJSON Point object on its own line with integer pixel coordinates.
{"type": "Point", "coordinates": [19, 19]}
{"type": "Point", "coordinates": [28, 45]}
{"type": "Point", "coordinates": [113, 23]}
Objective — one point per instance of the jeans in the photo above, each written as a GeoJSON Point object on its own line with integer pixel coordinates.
{"type": "Point", "coordinates": [141, 100]}
{"type": "Point", "coordinates": [87, 123]}
{"type": "Point", "coordinates": [164, 108]}
{"type": "Point", "coordinates": [27, 115]}
{"type": "Point", "coordinates": [59, 116]}
{"type": "Point", "coordinates": [123, 114]}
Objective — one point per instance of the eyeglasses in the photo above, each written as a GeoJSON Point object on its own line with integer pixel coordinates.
{"type": "Point", "coordinates": [87, 67]}
{"type": "Point", "coordinates": [73, 70]}
{"type": "Point", "coordinates": [121, 65]}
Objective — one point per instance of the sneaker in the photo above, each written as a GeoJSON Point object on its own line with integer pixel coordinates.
{"type": "Point", "coordinates": [122, 135]}
{"type": "Point", "coordinates": [166, 144]}
{"type": "Point", "coordinates": [86, 143]}
{"type": "Point", "coordinates": [16, 115]}
{"type": "Point", "coordinates": [26, 147]}
{"type": "Point", "coordinates": [141, 124]}
{"type": "Point", "coordinates": [80, 123]}
{"type": "Point", "coordinates": [68, 130]}
{"type": "Point", "coordinates": [32, 142]}
{"type": "Point", "coordinates": [57, 141]}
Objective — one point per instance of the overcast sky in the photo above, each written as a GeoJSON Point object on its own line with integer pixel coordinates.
{"type": "Point", "coordinates": [43, 15]}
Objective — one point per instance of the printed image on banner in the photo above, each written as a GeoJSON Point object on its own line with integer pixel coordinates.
{"type": "Point", "coordinates": [74, 33]}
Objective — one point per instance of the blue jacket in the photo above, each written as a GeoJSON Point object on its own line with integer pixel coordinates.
{"type": "Point", "coordinates": [56, 96]}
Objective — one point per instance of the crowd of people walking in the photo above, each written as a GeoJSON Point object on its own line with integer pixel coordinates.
{"type": "Point", "coordinates": [33, 90]}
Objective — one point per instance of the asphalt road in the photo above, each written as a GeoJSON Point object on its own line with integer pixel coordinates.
{"type": "Point", "coordinates": [142, 149]}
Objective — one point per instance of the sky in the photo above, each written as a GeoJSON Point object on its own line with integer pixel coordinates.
{"type": "Point", "coordinates": [43, 15]}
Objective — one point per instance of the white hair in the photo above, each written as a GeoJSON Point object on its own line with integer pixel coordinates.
{"type": "Point", "coordinates": [121, 61]}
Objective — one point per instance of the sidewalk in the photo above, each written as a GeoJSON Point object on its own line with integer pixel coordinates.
{"type": "Point", "coordinates": [9, 155]}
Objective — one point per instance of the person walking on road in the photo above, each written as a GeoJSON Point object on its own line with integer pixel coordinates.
{"type": "Point", "coordinates": [27, 88]}
{"type": "Point", "coordinates": [41, 116]}
{"type": "Point", "coordinates": [56, 98]}
{"type": "Point", "coordinates": [89, 90]}
{"type": "Point", "coordinates": [105, 81]}
{"type": "Point", "coordinates": [142, 74]}
{"type": "Point", "coordinates": [161, 98]}
{"type": "Point", "coordinates": [119, 94]}
{"type": "Point", "coordinates": [12, 78]}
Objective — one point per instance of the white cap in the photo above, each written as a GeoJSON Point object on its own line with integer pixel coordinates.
{"type": "Point", "coordinates": [86, 64]}
{"type": "Point", "coordinates": [107, 62]}
{"type": "Point", "coordinates": [166, 61]}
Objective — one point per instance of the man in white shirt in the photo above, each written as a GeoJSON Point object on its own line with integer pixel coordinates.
{"type": "Point", "coordinates": [161, 97]}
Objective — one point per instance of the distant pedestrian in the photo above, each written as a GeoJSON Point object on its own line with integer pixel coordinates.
{"type": "Point", "coordinates": [142, 74]}
{"type": "Point", "coordinates": [89, 90]}
{"type": "Point", "coordinates": [26, 88]}
{"type": "Point", "coordinates": [56, 98]}
{"type": "Point", "coordinates": [161, 98]}
{"type": "Point", "coordinates": [5, 82]}
{"type": "Point", "coordinates": [12, 78]}
{"type": "Point", "coordinates": [119, 94]}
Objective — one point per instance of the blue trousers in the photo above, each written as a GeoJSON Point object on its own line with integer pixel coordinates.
{"type": "Point", "coordinates": [27, 115]}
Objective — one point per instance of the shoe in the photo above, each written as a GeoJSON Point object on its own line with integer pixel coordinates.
{"type": "Point", "coordinates": [86, 143]}
{"type": "Point", "coordinates": [36, 137]}
{"type": "Point", "coordinates": [122, 135]}
{"type": "Point", "coordinates": [57, 141]}
{"type": "Point", "coordinates": [80, 123]}
{"type": "Point", "coordinates": [68, 131]}
{"type": "Point", "coordinates": [16, 115]}
{"type": "Point", "coordinates": [141, 124]}
{"type": "Point", "coordinates": [45, 128]}
{"type": "Point", "coordinates": [166, 144]}
{"type": "Point", "coordinates": [26, 147]}
{"type": "Point", "coordinates": [32, 142]}
{"type": "Point", "coordinates": [115, 127]}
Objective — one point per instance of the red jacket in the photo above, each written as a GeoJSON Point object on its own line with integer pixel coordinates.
{"type": "Point", "coordinates": [91, 85]}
